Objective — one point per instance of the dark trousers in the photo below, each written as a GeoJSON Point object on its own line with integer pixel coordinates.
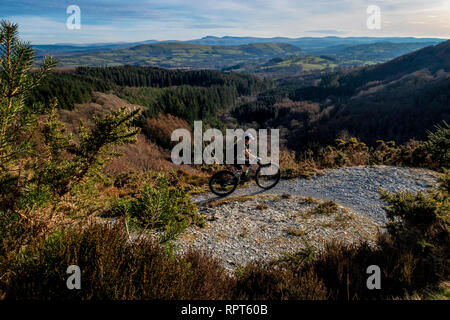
{"type": "Point", "coordinates": [239, 166]}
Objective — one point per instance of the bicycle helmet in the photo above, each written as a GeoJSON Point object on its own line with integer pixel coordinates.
{"type": "Point", "coordinates": [249, 136]}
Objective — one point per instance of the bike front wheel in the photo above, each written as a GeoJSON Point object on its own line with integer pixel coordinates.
{"type": "Point", "coordinates": [223, 183]}
{"type": "Point", "coordinates": [268, 176]}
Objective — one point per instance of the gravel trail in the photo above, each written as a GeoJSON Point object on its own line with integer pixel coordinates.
{"type": "Point", "coordinates": [355, 188]}
{"type": "Point", "coordinates": [285, 219]}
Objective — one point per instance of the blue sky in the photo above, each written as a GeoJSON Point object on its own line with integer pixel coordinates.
{"type": "Point", "coordinates": [112, 21]}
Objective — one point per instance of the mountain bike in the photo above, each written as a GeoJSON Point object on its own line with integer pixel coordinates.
{"type": "Point", "coordinates": [223, 183]}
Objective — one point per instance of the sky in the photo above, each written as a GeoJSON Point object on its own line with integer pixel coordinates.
{"type": "Point", "coordinates": [44, 21]}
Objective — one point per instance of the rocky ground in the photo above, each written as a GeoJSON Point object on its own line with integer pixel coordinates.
{"type": "Point", "coordinates": [341, 204]}
{"type": "Point", "coordinates": [355, 188]}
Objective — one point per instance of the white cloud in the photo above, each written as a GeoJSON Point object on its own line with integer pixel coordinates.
{"type": "Point", "coordinates": [105, 21]}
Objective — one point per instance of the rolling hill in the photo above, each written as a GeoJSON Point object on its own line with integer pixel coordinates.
{"type": "Point", "coordinates": [397, 110]}
{"type": "Point", "coordinates": [237, 53]}
{"type": "Point", "coordinates": [287, 66]}
{"type": "Point", "coordinates": [183, 55]}
{"type": "Point", "coordinates": [433, 58]}
{"type": "Point", "coordinates": [398, 100]}
{"type": "Point", "coordinates": [69, 49]}
{"type": "Point", "coordinates": [344, 84]}
{"type": "Point", "coordinates": [370, 53]}
{"type": "Point", "coordinates": [326, 59]}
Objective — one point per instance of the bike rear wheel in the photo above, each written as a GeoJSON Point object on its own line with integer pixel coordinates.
{"type": "Point", "coordinates": [223, 183]}
{"type": "Point", "coordinates": [268, 176]}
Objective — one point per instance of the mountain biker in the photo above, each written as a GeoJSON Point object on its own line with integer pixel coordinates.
{"type": "Point", "coordinates": [247, 138]}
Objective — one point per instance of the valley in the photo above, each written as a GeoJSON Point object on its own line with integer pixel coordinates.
{"type": "Point", "coordinates": [87, 178]}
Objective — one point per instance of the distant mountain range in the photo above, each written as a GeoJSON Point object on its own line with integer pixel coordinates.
{"type": "Point", "coordinates": [246, 57]}
{"type": "Point", "coordinates": [183, 55]}
{"type": "Point", "coordinates": [312, 43]}
{"type": "Point", "coordinates": [305, 43]}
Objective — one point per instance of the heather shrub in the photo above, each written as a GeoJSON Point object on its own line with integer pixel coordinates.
{"type": "Point", "coordinates": [342, 268]}
{"type": "Point", "coordinates": [420, 222]}
{"type": "Point", "coordinates": [412, 254]}
{"type": "Point", "coordinates": [140, 156]}
{"type": "Point", "coordinates": [160, 129]}
{"type": "Point", "coordinates": [292, 166]}
{"type": "Point", "coordinates": [385, 153]}
{"type": "Point", "coordinates": [111, 268]}
{"type": "Point", "coordinates": [354, 152]}
{"type": "Point", "coordinates": [163, 204]}
{"type": "Point", "coordinates": [412, 153]}
{"type": "Point", "coordinates": [263, 281]}
{"type": "Point", "coordinates": [438, 145]}
{"type": "Point", "coordinates": [432, 153]}
{"type": "Point", "coordinates": [325, 208]}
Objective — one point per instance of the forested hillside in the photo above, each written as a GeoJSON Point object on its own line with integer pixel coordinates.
{"type": "Point", "coordinates": [397, 100]}
{"type": "Point", "coordinates": [371, 53]}
{"type": "Point", "coordinates": [190, 94]}
{"type": "Point", "coordinates": [134, 76]}
{"type": "Point", "coordinates": [399, 110]}
{"type": "Point", "coordinates": [342, 84]}
{"type": "Point", "coordinates": [69, 88]}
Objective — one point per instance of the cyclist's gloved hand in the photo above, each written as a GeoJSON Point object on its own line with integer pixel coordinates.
{"type": "Point", "coordinates": [258, 159]}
